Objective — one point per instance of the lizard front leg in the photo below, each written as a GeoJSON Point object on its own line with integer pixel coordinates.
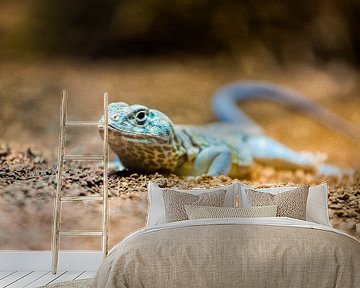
{"type": "Point", "coordinates": [213, 160]}
{"type": "Point", "coordinates": [116, 164]}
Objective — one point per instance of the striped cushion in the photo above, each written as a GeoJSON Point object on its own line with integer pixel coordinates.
{"type": "Point", "coordinates": [200, 212]}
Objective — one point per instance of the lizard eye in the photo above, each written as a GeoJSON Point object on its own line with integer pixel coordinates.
{"type": "Point", "coordinates": [140, 117]}
{"type": "Point", "coordinates": [116, 117]}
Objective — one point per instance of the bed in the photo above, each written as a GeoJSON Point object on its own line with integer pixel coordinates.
{"type": "Point", "coordinates": [233, 252]}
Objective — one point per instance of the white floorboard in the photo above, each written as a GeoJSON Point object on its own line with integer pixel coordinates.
{"type": "Point", "coordinates": [87, 274]}
{"type": "Point", "coordinates": [30, 269]}
{"type": "Point", "coordinates": [35, 279]}
{"type": "Point", "coordinates": [6, 273]}
{"type": "Point", "coordinates": [48, 278]}
{"type": "Point", "coordinates": [68, 276]}
{"type": "Point", "coordinates": [12, 278]}
{"type": "Point", "coordinates": [28, 279]}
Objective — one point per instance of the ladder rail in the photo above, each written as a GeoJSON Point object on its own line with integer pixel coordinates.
{"type": "Point", "coordinates": [105, 224]}
{"type": "Point", "coordinates": [57, 202]}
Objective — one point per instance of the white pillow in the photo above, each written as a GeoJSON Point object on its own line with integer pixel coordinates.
{"type": "Point", "coordinates": [317, 202]}
{"type": "Point", "coordinates": [156, 207]}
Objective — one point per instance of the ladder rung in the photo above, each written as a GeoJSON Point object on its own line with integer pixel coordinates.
{"type": "Point", "coordinates": [82, 123]}
{"type": "Point", "coordinates": [84, 157]}
{"type": "Point", "coordinates": [82, 198]}
{"type": "Point", "coordinates": [74, 233]}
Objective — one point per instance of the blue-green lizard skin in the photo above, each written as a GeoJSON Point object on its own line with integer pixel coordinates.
{"type": "Point", "coordinates": [147, 141]}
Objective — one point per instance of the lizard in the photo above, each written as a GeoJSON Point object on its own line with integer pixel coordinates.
{"type": "Point", "coordinates": [146, 140]}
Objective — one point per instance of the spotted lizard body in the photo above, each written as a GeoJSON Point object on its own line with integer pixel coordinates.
{"type": "Point", "coordinates": [146, 140]}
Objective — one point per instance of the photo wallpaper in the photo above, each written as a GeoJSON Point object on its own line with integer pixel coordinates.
{"type": "Point", "coordinates": [203, 93]}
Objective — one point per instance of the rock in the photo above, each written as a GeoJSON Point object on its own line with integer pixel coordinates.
{"type": "Point", "coordinates": [4, 149]}
{"type": "Point", "coordinates": [16, 167]}
{"type": "Point", "coordinates": [39, 160]}
{"type": "Point", "coordinates": [344, 197]}
{"type": "Point", "coordinates": [33, 152]}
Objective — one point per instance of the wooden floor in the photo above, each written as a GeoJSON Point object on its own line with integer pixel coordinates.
{"type": "Point", "coordinates": [21, 268]}
{"type": "Point", "coordinates": [32, 279]}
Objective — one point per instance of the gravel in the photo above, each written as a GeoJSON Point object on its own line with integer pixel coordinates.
{"type": "Point", "coordinates": [28, 183]}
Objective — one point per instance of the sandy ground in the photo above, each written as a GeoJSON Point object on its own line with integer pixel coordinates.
{"type": "Point", "coordinates": [29, 117]}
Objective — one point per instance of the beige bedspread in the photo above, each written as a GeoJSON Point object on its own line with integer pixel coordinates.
{"type": "Point", "coordinates": [233, 254]}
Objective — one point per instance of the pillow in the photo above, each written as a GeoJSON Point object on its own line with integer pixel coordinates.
{"type": "Point", "coordinates": [201, 212]}
{"type": "Point", "coordinates": [175, 202]}
{"type": "Point", "coordinates": [316, 206]}
{"type": "Point", "coordinates": [156, 208]}
{"type": "Point", "coordinates": [290, 203]}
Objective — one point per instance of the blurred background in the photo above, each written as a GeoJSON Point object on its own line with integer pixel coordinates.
{"type": "Point", "coordinates": [317, 31]}
{"type": "Point", "coordinates": [171, 56]}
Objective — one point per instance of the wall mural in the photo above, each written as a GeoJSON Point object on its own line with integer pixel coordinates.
{"type": "Point", "coordinates": [202, 94]}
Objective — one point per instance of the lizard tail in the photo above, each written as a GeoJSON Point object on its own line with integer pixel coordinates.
{"type": "Point", "coordinates": [225, 108]}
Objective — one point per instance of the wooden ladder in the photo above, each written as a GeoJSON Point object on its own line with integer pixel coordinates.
{"type": "Point", "coordinates": [59, 198]}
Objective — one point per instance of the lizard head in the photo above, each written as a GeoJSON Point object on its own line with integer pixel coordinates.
{"type": "Point", "coordinates": [139, 122]}
{"type": "Point", "coordinates": [143, 138]}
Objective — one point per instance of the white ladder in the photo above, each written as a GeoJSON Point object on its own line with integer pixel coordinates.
{"type": "Point", "coordinates": [59, 198]}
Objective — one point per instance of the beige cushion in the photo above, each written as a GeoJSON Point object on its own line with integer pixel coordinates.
{"type": "Point", "coordinates": [175, 202]}
{"type": "Point", "coordinates": [290, 203]}
{"type": "Point", "coordinates": [201, 212]}
{"type": "Point", "coordinates": [156, 208]}
{"type": "Point", "coordinates": [316, 207]}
